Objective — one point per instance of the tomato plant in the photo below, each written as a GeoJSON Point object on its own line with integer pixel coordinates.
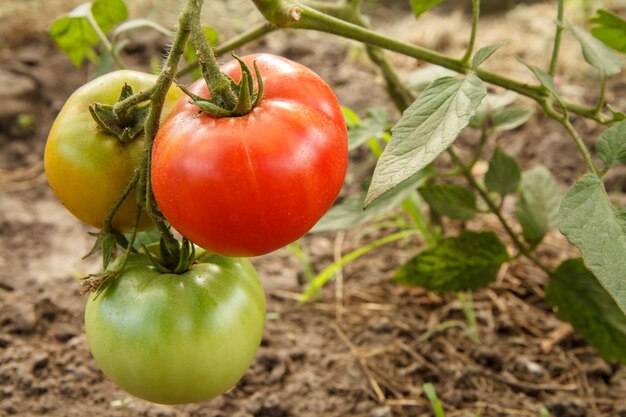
{"type": "Point", "coordinates": [245, 186]}
{"type": "Point", "coordinates": [88, 168]}
{"type": "Point", "coordinates": [176, 338]}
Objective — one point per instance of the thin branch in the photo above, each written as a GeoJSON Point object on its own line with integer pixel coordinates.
{"type": "Point", "coordinates": [557, 39]}
{"type": "Point", "coordinates": [472, 41]}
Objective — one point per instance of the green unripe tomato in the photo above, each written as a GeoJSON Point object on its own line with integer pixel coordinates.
{"type": "Point", "coordinates": [173, 339]}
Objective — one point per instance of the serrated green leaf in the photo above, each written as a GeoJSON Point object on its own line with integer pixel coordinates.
{"type": "Point", "coordinates": [543, 77]}
{"type": "Point", "coordinates": [511, 118]}
{"type": "Point", "coordinates": [350, 213]}
{"type": "Point", "coordinates": [595, 52]}
{"type": "Point", "coordinates": [483, 54]}
{"type": "Point", "coordinates": [427, 128]}
{"type": "Point", "coordinates": [74, 34]}
{"type": "Point", "coordinates": [421, 6]}
{"type": "Point", "coordinates": [611, 147]}
{"type": "Point", "coordinates": [590, 223]}
{"type": "Point", "coordinates": [373, 126]}
{"type": "Point", "coordinates": [466, 262]}
{"type": "Point", "coordinates": [504, 174]}
{"type": "Point", "coordinates": [450, 200]}
{"type": "Point", "coordinates": [610, 29]}
{"type": "Point", "coordinates": [584, 303]}
{"type": "Point", "coordinates": [538, 207]}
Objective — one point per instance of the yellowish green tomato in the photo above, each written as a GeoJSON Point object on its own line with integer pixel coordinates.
{"type": "Point", "coordinates": [87, 168]}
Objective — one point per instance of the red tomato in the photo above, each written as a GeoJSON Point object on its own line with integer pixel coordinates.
{"type": "Point", "coordinates": [245, 186]}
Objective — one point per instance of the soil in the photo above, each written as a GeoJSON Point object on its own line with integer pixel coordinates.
{"type": "Point", "coordinates": [366, 346]}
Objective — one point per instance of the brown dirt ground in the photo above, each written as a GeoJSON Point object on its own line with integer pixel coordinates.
{"type": "Point", "coordinates": [367, 346]}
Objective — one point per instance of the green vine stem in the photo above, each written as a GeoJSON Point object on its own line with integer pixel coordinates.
{"type": "Point", "coordinates": [472, 41]}
{"type": "Point", "coordinates": [297, 15]}
{"type": "Point", "coordinates": [218, 83]}
{"type": "Point", "coordinates": [563, 119]}
{"type": "Point", "coordinates": [557, 38]}
{"type": "Point", "coordinates": [235, 42]}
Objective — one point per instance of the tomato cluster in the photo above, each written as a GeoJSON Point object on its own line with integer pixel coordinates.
{"type": "Point", "coordinates": [236, 186]}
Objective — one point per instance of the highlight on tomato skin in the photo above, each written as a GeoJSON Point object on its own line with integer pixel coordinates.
{"type": "Point", "coordinates": [246, 186]}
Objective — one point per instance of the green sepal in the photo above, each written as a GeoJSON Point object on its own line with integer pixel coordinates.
{"type": "Point", "coordinates": [244, 90]}
{"type": "Point", "coordinates": [124, 126]}
{"type": "Point", "coordinates": [244, 104]}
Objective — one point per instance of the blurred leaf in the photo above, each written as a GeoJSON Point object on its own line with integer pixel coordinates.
{"type": "Point", "coordinates": [544, 78]}
{"type": "Point", "coordinates": [141, 23]}
{"type": "Point", "coordinates": [595, 52]}
{"type": "Point", "coordinates": [611, 147]}
{"type": "Point", "coordinates": [584, 303]}
{"type": "Point", "coordinates": [467, 262]}
{"type": "Point", "coordinates": [145, 237]}
{"type": "Point", "coordinates": [351, 118]}
{"type": "Point", "coordinates": [450, 200]}
{"type": "Point", "coordinates": [427, 128]}
{"type": "Point", "coordinates": [538, 207]}
{"type": "Point", "coordinates": [421, 6]}
{"type": "Point", "coordinates": [423, 76]}
{"type": "Point", "coordinates": [610, 29]}
{"type": "Point", "coordinates": [74, 34]}
{"type": "Point", "coordinates": [590, 223]}
{"type": "Point", "coordinates": [511, 118]}
{"type": "Point", "coordinates": [490, 104]}
{"type": "Point", "coordinates": [373, 126]}
{"type": "Point", "coordinates": [350, 213]}
{"type": "Point", "coordinates": [483, 54]}
{"type": "Point", "coordinates": [504, 174]}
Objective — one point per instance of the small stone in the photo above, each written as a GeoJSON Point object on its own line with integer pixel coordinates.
{"type": "Point", "coordinates": [381, 412]}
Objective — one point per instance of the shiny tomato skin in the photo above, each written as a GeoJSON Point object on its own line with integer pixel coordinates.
{"type": "Point", "coordinates": [174, 339]}
{"type": "Point", "coordinates": [245, 186]}
{"type": "Point", "coordinates": [88, 169]}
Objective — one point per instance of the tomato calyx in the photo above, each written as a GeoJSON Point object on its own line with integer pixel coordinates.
{"type": "Point", "coordinates": [168, 262]}
{"type": "Point", "coordinates": [247, 99]}
{"type": "Point", "coordinates": [125, 125]}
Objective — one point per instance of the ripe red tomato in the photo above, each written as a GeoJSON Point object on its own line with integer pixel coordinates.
{"type": "Point", "coordinates": [245, 186]}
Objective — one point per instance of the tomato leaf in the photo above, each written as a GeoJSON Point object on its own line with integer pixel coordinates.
{"type": "Point", "coordinates": [467, 262]}
{"type": "Point", "coordinates": [484, 54]}
{"type": "Point", "coordinates": [538, 207]}
{"type": "Point", "coordinates": [450, 200]}
{"type": "Point", "coordinates": [589, 222]}
{"type": "Point", "coordinates": [421, 6]}
{"type": "Point", "coordinates": [595, 52]}
{"type": "Point", "coordinates": [544, 78]}
{"type": "Point", "coordinates": [427, 128]}
{"type": "Point", "coordinates": [504, 174]}
{"type": "Point", "coordinates": [610, 29]}
{"type": "Point", "coordinates": [74, 34]}
{"type": "Point", "coordinates": [584, 303]}
{"type": "Point", "coordinates": [372, 127]}
{"type": "Point", "coordinates": [350, 213]}
{"type": "Point", "coordinates": [611, 145]}
{"type": "Point", "coordinates": [511, 118]}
